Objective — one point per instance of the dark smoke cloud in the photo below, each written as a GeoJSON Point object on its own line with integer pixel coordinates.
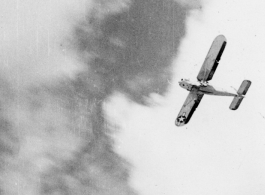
{"type": "Point", "coordinates": [54, 136]}
{"type": "Point", "coordinates": [132, 51]}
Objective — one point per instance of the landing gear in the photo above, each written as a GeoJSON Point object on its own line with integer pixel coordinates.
{"type": "Point", "coordinates": [204, 83]}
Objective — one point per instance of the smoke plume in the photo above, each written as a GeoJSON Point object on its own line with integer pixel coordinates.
{"type": "Point", "coordinates": [59, 62]}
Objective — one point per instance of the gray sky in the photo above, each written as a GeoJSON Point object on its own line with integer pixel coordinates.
{"type": "Point", "coordinates": [220, 151]}
{"type": "Point", "coordinates": [60, 61]}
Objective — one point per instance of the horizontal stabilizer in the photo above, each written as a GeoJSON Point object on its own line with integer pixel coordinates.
{"type": "Point", "coordinates": [241, 92]}
{"type": "Point", "coordinates": [244, 87]}
{"type": "Point", "coordinates": [236, 102]}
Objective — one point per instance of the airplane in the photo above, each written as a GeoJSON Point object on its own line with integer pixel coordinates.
{"type": "Point", "coordinates": [198, 88]}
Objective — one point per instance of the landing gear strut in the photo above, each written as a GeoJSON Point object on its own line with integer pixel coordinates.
{"type": "Point", "coordinates": [204, 83]}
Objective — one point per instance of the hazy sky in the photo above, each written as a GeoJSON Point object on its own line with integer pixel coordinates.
{"type": "Point", "coordinates": [60, 61]}
{"type": "Point", "coordinates": [220, 151]}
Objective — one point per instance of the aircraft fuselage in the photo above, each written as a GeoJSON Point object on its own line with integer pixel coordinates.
{"type": "Point", "coordinates": [205, 88]}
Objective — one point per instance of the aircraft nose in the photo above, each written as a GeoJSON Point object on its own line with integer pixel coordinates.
{"type": "Point", "coordinates": [181, 84]}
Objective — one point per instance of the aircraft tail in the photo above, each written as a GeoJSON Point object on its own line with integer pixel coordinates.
{"type": "Point", "coordinates": [241, 92]}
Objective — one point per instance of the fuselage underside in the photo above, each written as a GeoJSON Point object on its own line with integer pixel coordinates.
{"type": "Point", "coordinates": [205, 88]}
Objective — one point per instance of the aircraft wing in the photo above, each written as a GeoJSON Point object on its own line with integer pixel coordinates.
{"type": "Point", "coordinates": [188, 108]}
{"type": "Point", "coordinates": [212, 59]}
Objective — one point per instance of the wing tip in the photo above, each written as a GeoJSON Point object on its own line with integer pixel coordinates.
{"type": "Point", "coordinates": [179, 124]}
{"type": "Point", "coordinates": [180, 121]}
{"type": "Point", "coordinates": [221, 38]}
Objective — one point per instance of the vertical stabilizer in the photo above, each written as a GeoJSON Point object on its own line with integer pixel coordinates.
{"type": "Point", "coordinates": [241, 92]}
